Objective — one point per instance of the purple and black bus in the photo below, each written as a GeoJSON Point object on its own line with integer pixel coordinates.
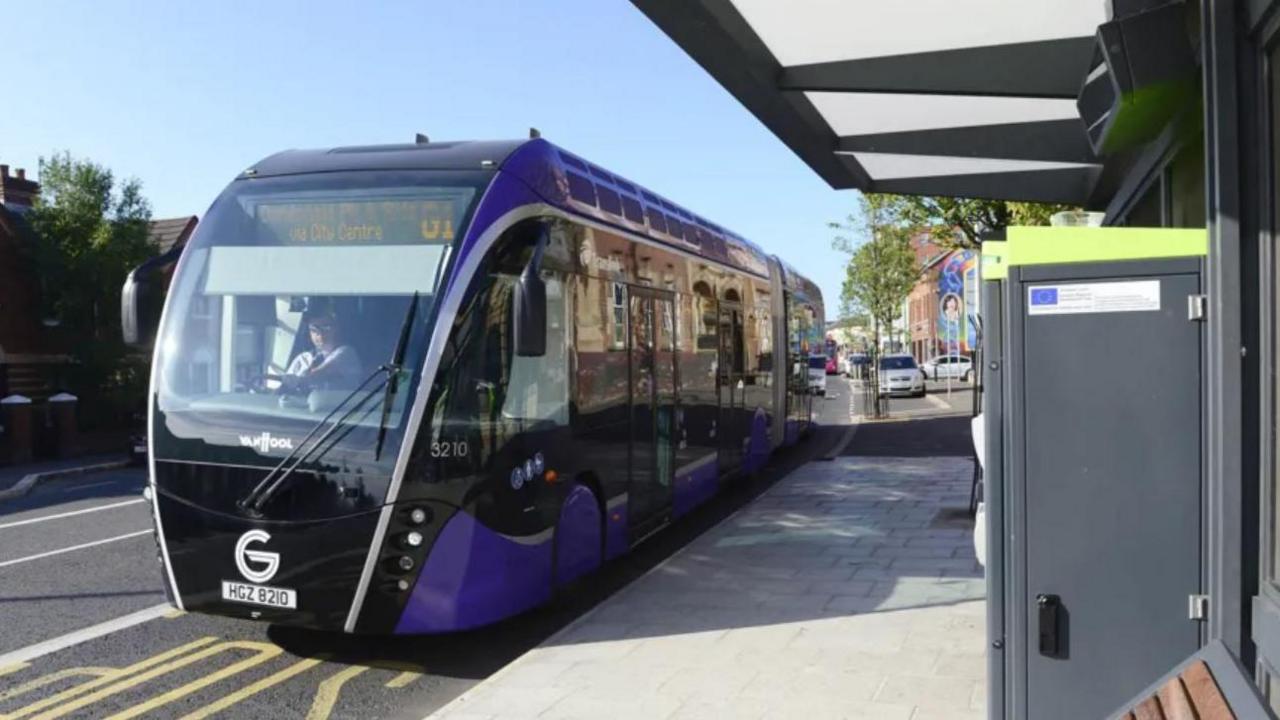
{"type": "Point", "coordinates": [417, 388]}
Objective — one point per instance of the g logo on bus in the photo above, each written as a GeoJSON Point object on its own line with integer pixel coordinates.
{"type": "Point", "coordinates": [244, 554]}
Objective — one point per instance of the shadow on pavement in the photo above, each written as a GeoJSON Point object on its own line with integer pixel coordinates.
{"type": "Point", "coordinates": [479, 653]}
{"type": "Point", "coordinates": [867, 533]}
{"type": "Point", "coordinates": [948, 436]}
{"type": "Point", "coordinates": [874, 531]}
{"type": "Point", "coordinates": [120, 484]}
{"type": "Point", "coordinates": [882, 528]}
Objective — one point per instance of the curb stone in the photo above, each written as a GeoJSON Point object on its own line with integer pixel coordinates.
{"type": "Point", "coordinates": [28, 482]}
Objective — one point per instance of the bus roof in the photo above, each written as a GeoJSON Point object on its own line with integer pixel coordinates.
{"type": "Point", "coordinates": [559, 177]}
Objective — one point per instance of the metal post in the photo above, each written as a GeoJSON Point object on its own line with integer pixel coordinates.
{"type": "Point", "coordinates": [1223, 417]}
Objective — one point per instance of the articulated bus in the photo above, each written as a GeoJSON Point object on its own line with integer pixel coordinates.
{"type": "Point", "coordinates": [418, 388]}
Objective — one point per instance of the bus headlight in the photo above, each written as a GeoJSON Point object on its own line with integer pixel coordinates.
{"type": "Point", "coordinates": [413, 539]}
{"type": "Point", "coordinates": [417, 516]}
{"type": "Point", "coordinates": [405, 563]}
{"type": "Point", "coordinates": [529, 472]}
{"type": "Point", "coordinates": [517, 478]}
{"type": "Point", "coordinates": [539, 463]}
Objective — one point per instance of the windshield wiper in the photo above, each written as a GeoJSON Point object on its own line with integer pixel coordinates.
{"type": "Point", "coordinates": [394, 368]}
{"type": "Point", "coordinates": [267, 487]}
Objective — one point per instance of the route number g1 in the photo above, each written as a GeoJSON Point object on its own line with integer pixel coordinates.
{"type": "Point", "coordinates": [449, 448]}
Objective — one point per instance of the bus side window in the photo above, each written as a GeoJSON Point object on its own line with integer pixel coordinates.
{"type": "Point", "coordinates": [538, 388]}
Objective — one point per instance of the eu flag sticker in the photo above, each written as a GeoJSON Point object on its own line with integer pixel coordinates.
{"type": "Point", "coordinates": [1044, 296]}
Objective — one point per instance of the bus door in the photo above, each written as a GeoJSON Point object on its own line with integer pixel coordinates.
{"type": "Point", "coordinates": [653, 410]}
{"type": "Point", "coordinates": [731, 384]}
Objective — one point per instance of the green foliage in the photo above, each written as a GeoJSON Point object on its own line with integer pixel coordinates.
{"type": "Point", "coordinates": [962, 222]}
{"type": "Point", "coordinates": [882, 269]}
{"type": "Point", "coordinates": [90, 231]}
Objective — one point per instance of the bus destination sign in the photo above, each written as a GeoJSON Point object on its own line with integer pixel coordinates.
{"type": "Point", "coordinates": [369, 222]}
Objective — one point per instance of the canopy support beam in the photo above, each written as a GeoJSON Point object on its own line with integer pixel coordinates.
{"type": "Point", "coordinates": [1052, 69]}
{"type": "Point", "coordinates": [1046, 140]}
{"type": "Point", "coordinates": [1069, 186]}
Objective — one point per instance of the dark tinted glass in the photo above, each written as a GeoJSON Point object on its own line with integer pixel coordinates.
{"type": "Point", "coordinates": [674, 227]}
{"type": "Point", "coordinates": [609, 200]}
{"type": "Point", "coordinates": [573, 162]}
{"type": "Point", "coordinates": [897, 363]}
{"type": "Point", "coordinates": [631, 209]}
{"type": "Point", "coordinates": [581, 189]}
{"type": "Point", "coordinates": [600, 173]}
{"type": "Point", "coordinates": [657, 220]}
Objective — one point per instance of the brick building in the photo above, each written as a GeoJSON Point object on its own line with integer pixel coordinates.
{"type": "Point", "coordinates": [27, 345]}
{"type": "Point", "coordinates": [922, 302]}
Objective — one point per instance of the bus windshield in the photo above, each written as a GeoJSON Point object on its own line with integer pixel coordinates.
{"type": "Point", "coordinates": [294, 293]}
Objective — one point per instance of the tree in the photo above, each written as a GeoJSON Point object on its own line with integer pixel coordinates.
{"type": "Point", "coordinates": [883, 268]}
{"type": "Point", "coordinates": [89, 232]}
{"type": "Point", "coordinates": [962, 222]}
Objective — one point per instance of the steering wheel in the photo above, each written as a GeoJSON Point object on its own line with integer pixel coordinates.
{"type": "Point", "coordinates": [287, 384]}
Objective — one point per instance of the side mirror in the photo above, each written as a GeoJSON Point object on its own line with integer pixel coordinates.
{"type": "Point", "coordinates": [141, 300]}
{"type": "Point", "coordinates": [530, 313]}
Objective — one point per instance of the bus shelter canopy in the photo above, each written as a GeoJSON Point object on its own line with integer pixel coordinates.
{"type": "Point", "coordinates": [923, 97]}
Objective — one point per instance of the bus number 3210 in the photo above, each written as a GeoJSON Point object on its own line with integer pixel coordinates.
{"type": "Point", "coordinates": [449, 448]}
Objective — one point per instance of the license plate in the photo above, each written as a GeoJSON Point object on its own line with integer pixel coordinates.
{"type": "Point", "coordinates": [259, 595]}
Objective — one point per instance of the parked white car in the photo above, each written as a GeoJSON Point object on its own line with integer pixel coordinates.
{"type": "Point", "coordinates": [852, 364]}
{"type": "Point", "coordinates": [941, 367]}
{"type": "Point", "coordinates": [818, 374]}
{"type": "Point", "coordinates": [900, 374]}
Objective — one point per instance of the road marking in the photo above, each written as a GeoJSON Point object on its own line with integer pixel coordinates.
{"type": "Point", "coordinates": [73, 548]}
{"type": "Point", "coordinates": [115, 674]}
{"type": "Point", "coordinates": [327, 694]}
{"type": "Point", "coordinates": [31, 652]}
{"type": "Point", "coordinates": [36, 684]}
{"type": "Point", "coordinates": [403, 679]}
{"type": "Point", "coordinates": [265, 653]}
{"type": "Point", "coordinates": [15, 667]}
{"type": "Point", "coordinates": [250, 690]}
{"type": "Point", "coordinates": [73, 513]}
{"type": "Point", "coordinates": [937, 402]}
{"type": "Point", "coordinates": [78, 488]}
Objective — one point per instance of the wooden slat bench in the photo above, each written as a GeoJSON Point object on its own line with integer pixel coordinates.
{"type": "Point", "coordinates": [1210, 685]}
{"type": "Point", "coordinates": [1192, 695]}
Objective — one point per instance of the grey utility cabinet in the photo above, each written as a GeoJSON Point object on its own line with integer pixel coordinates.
{"type": "Point", "coordinates": [1093, 479]}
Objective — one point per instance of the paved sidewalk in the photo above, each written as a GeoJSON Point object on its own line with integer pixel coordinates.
{"type": "Point", "coordinates": [845, 591]}
{"type": "Point", "coordinates": [11, 475]}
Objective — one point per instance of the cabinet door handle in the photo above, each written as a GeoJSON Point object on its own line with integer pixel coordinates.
{"type": "Point", "coordinates": [1049, 610]}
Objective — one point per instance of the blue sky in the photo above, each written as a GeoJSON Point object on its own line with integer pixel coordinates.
{"type": "Point", "coordinates": [183, 97]}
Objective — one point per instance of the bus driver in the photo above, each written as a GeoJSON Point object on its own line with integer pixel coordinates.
{"type": "Point", "coordinates": [333, 365]}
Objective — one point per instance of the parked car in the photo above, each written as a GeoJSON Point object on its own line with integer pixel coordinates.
{"type": "Point", "coordinates": [833, 366]}
{"type": "Point", "coordinates": [899, 374]}
{"type": "Point", "coordinates": [941, 367]}
{"type": "Point", "coordinates": [853, 364]}
{"type": "Point", "coordinates": [137, 450]}
{"type": "Point", "coordinates": [818, 374]}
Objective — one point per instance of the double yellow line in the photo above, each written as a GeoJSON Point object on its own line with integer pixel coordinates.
{"type": "Point", "coordinates": [106, 682]}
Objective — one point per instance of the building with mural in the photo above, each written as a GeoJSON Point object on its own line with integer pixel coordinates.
{"type": "Point", "coordinates": [957, 298]}
{"type": "Point", "coordinates": [941, 310]}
